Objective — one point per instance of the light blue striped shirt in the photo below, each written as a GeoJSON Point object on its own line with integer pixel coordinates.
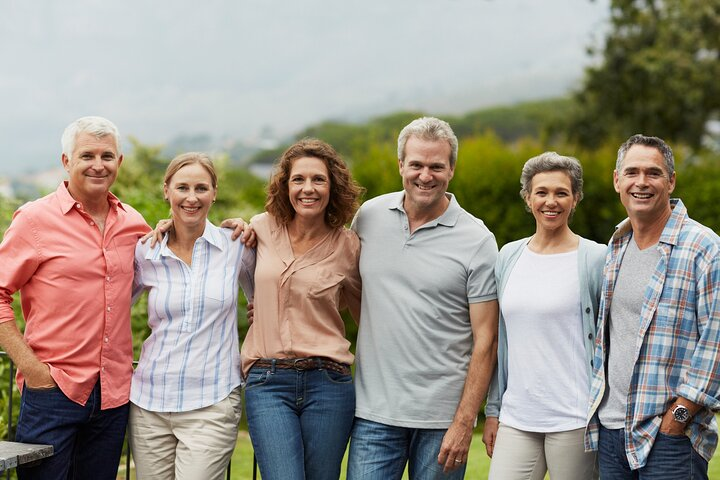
{"type": "Point", "coordinates": [191, 358]}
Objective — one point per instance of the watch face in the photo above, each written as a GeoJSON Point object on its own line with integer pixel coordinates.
{"type": "Point", "coordinates": [681, 414]}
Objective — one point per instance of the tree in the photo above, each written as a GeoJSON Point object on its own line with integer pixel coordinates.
{"type": "Point", "coordinates": [657, 74]}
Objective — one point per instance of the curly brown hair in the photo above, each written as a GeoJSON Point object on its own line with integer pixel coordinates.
{"type": "Point", "coordinates": [344, 191]}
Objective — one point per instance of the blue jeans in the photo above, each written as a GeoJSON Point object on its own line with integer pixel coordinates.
{"type": "Point", "coordinates": [671, 458]}
{"type": "Point", "coordinates": [380, 452]}
{"type": "Point", "coordinates": [299, 421]}
{"type": "Point", "coordinates": [87, 442]}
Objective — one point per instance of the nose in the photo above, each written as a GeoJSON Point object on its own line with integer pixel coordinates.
{"type": "Point", "coordinates": [97, 163]}
{"type": "Point", "coordinates": [425, 175]}
{"type": "Point", "coordinates": [307, 186]}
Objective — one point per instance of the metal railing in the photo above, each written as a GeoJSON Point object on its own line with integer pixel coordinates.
{"type": "Point", "coordinates": [12, 389]}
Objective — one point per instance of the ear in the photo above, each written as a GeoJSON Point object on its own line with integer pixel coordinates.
{"type": "Point", "coordinates": [66, 162]}
{"type": "Point", "coordinates": [120, 160]}
{"type": "Point", "coordinates": [165, 192]}
{"type": "Point", "coordinates": [672, 183]}
{"type": "Point", "coordinates": [400, 166]}
{"type": "Point", "coordinates": [616, 181]}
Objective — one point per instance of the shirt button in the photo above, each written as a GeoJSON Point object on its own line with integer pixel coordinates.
{"type": "Point", "coordinates": [102, 368]}
{"type": "Point", "coordinates": [587, 310]}
{"type": "Point", "coordinates": [589, 336]}
{"type": "Point", "coordinates": [92, 224]}
{"type": "Point", "coordinates": [78, 205]}
{"type": "Point", "coordinates": [107, 278]}
{"type": "Point", "coordinates": [108, 309]}
{"type": "Point", "coordinates": [107, 339]}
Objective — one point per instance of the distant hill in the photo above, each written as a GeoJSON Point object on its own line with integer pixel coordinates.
{"type": "Point", "coordinates": [538, 119]}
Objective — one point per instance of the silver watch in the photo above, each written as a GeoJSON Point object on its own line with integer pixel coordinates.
{"type": "Point", "coordinates": [681, 414]}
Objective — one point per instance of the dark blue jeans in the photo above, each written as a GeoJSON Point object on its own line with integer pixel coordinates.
{"type": "Point", "coordinates": [671, 458]}
{"type": "Point", "coordinates": [87, 441]}
{"type": "Point", "coordinates": [380, 452]}
{"type": "Point", "coordinates": [299, 421]}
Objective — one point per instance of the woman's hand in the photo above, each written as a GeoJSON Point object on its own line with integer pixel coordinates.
{"type": "Point", "coordinates": [241, 230]}
{"type": "Point", "coordinates": [490, 434]}
{"type": "Point", "coordinates": [156, 236]}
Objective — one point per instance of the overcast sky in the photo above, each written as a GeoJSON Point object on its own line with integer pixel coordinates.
{"type": "Point", "coordinates": [233, 67]}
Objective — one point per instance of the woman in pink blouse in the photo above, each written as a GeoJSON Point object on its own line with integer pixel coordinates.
{"type": "Point", "coordinates": [299, 395]}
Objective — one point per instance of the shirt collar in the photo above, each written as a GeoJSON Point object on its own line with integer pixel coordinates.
{"type": "Point", "coordinates": [211, 235]}
{"type": "Point", "coordinates": [67, 202]}
{"type": "Point", "coordinates": [448, 218]}
{"type": "Point", "coordinates": [672, 228]}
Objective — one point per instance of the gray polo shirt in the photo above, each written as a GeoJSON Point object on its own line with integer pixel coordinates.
{"type": "Point", "coordinates": [415, 339]}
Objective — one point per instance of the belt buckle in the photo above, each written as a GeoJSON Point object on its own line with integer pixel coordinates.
{"type": "Point", "coordinates": [300, 364]}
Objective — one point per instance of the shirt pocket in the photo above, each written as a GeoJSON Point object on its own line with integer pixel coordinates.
{"type": "Point", "coordinates": [327, 284]}
{"type": "Point", "coordinates": [121, 254]}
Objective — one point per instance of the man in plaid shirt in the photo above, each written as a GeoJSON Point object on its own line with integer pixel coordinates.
{"type": "Point", "coordinates": [656, 378]}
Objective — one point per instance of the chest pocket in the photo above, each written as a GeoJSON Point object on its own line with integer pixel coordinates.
{"type": "Point", "coordinates": [326, 285]}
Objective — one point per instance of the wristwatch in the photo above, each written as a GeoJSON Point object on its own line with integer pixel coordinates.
{"type": "Point", "coordinates": [681, 413]}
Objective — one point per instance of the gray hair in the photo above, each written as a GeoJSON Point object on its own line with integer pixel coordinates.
{"type": "Point", "coordinates": [647, 141]}
{"type": "Point", "coordinates": [431, 129]}
{"type": "Point", "coordinates": [97, 126]}
{"type": "Point", "coordinates": [552, 162]}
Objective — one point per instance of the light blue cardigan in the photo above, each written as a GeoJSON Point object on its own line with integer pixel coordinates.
{"type": "Point", "coordinates": [591, 260]}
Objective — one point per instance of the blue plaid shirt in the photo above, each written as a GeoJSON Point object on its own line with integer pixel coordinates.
{"type": "Point", "coordinates": [678, 346]}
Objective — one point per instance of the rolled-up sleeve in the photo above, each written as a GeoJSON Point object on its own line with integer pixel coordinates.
{"type": "Point", "coordinates": [703, 379]}
{"type": "Point", "coordinates": [20, 258]}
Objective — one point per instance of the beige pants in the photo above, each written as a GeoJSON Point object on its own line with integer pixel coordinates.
{"type": "Point", "coordinates": [521, 455]}
{"type": "Point", "coordinates": [185, 445]}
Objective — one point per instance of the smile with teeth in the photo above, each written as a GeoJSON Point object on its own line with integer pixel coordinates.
{"type": "Point", "coordinates": [641, 196]}
{"type": "Point", "coordinates": [551, 213]}
{"type": "Point", "coordinates": [308, 201]}
{"type": "Point", "coordinates": [190, 209]}
{"type": "Point", "coordinates": [425, 187]}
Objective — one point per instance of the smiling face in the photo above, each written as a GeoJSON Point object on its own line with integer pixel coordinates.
{"type": "Point", "coordinates": [644, 184]}
{"type": "Point", "coordinates": [190, 193]}
{"type": "Point", "coordinates": [309, 188]}
{"type": "Point", "coordinates": [426, 174]}
{"type": "Point", "coordinates": [551, 199]}
{"type": "Point", "coordinates": [92, 166]}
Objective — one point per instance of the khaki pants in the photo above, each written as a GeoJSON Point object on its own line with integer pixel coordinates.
{"type": "Point", "coordinates": [521, 455]}
{"type": "Point", "coordinates": [185, 445]}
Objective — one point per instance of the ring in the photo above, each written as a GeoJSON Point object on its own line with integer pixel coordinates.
{"type": "Point", "coordinates": [458, 461]}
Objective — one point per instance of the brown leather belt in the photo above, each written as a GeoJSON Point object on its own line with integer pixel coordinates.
{"type": "Point", "coordinates": [309, 363]}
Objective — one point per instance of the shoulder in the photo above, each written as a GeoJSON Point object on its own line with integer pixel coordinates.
{"type": "Point", "coordinates": [262, 222]}
{"type": "Point", "coordinates": [594, 250]}
{"type": "Point", "coordinates": [349, 239]}
{"type": "Point", "coordinates": [381, 202]}
{"type": "Point", "coordinates": [133, 214]}
{"type": "Point", "coordinates": [510, 248]}
{"type": "Point", "coordinates": [468, 221]}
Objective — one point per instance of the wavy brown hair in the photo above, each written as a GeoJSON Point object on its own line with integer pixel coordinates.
{"type": "Point", "coordinates": [344, 191]}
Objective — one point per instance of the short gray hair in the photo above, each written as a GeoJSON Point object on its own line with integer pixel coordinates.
{"type": "Point", "coordinates": [552, 162]}
{"type": "Point", "coordinates": [431, 129]}
{"type": "Point", "coordinates": [647, 141]}
{"type": "Point", "coordinates": [97, 126]}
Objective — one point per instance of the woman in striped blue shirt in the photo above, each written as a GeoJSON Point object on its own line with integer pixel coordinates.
{"type": "Point", "coordinates": [186, 389]}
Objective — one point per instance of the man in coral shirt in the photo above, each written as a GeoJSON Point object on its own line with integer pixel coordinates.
{"type": "Point", "coordinates": [70, 254]}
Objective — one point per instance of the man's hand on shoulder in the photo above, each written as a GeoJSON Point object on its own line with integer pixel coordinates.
{"type": "Point", "coordinates": [156, 236]}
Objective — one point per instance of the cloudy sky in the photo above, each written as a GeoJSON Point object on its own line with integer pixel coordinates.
{"type": "Point", "coordinates": [235, 67]}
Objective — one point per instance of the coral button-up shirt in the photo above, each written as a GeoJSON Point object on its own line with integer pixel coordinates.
{"type": "Point", "coordinates": [298, 298]}
{"type": "Point", "coordinates": [75, 285]}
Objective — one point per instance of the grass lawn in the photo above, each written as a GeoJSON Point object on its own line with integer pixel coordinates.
{"type": "Point", "coordinates": [478, 462]}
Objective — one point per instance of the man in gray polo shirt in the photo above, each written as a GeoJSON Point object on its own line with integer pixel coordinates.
{"type": "Point", "coordinates": [427, 342]}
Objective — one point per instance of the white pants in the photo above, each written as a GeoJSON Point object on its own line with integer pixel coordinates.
{"type": "Point", "coordinates": [185, 445]}
{"type": "Point", "coordinates": [520, 455]}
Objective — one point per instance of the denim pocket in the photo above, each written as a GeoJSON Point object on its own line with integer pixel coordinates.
{"type": "Point", "coordinates": [256, 378]}
{"type": "Point", "coordinates": [337, 377]}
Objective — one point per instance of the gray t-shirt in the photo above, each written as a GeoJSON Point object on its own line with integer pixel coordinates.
{"type": "Point", "coordinates": [415, 339]}
{"type": "Point", "coordinates": [636, 270]}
